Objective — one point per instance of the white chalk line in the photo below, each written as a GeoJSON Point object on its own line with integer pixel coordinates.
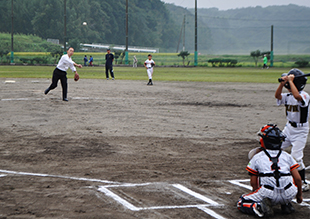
{"type": "Point", "coordinates": [55, 176]}
{"type": "Point", "coordinates": [195, 194]}
{"type": "Point", "coordinates": [210, 212]}
{"type": "Point", "coordinates": [238, 183]}
{"type": "Point", "coordinates": [73, 98]}
{"type": "Point", "coordinates": [37, 99]}
{"type": "Point", "coordinates": [128, 205]}
{"type": "Point", "coordinates": [125, 203]}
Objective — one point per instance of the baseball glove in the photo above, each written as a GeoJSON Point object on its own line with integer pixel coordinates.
{"type": "Point", "coordinates": [152, 64]}
{"type": "Point", "coordinates": [76, 77]}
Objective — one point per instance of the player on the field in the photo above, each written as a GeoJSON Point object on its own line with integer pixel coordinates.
{"type": "Point", "coordinates": [296, 104]}
{"type": "Point", "coordinates": [60, 73]}
{"type": "Point", "coordinates": [274, 177]}
{"type": "Point", "coordinates": [109, 58]}
{"type": "Point", "coordinates": [149, 65]}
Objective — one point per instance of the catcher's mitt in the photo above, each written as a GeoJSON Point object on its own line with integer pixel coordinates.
{"type": "Point", "coordinates": [152, 64]}
{"type": "Point", "coordinates": [76, 77]}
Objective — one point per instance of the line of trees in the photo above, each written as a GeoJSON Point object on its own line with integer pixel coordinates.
{"type": "Point", "coordinates": [150, 23]}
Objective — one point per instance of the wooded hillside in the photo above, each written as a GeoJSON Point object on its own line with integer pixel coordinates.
{"type": "Point", "coordinates": [248, 29]}
{"type": "Point", "coordinates": [153, 23]}
{"type": "Point", "coordinates": [149, 21]}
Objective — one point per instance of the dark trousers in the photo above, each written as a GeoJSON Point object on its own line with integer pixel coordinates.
{"type": "Point", "coordinates": [107, 69]}
{"type": "Point", "coordinates": [62, 76]}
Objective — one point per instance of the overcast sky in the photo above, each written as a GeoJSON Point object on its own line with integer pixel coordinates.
{"type": "Point", "coordinates": [229, 4]}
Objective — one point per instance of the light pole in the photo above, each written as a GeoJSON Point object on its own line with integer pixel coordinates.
{"type": "Point", "coordinates": [65, 25]}
{"type": "Point", "coordinates": [12, 30]}
{"type": "Point", "coordinates": [126, 51]}
{"type": "Point", "coordinates": [196, 54]}
{"type": "Point", "coordinates": [271, 49]}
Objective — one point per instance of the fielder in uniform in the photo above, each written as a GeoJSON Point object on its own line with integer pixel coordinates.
{"type": "Point", "coordinates": [274, 177]}
{"type": "Point", "coordinates": [296, 103]}
{"type": "Point", "coordinates": [109, 57]}
{"type": "Point", "coordinates": [60, 73]}
{"type": "Point", "coordinates": [149, 65]}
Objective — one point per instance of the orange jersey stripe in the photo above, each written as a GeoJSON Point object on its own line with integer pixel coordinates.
{"type": "Point", "coordinates": [295, 166]}
{"type": "Point", "coordinates": [254, 172]}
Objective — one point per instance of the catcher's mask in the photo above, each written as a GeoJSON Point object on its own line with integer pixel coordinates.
{"type": "Point", "coordinates": [271, 137]}
{"type": "Point", "coordinates": [299, 82]}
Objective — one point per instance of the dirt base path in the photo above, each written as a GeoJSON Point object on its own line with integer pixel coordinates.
{"type": "Point", "coordinates": [121, 149]}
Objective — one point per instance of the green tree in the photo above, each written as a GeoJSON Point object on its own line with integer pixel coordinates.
{"type": "Point", "coordinates": [56, 53]}
{"type": "Point", "coordinates": [117, 55]}
{"type": "Point", "coordinates": [256, 54]}
{"type": "Point", "coordinates": [184, 54]}
{"type": "Point", "coordinates": [3, 53]}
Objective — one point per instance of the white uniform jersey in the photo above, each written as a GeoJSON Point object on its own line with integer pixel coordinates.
{"type": "Point", "coordinates": [297, 126]}
{"type": "Point", "coordinates": [261, 164]}
{"type": "Point", "coordinates": [66, 62]}
{"type": "Point", "coordinates": [148, 63]}
{"type": "Point", "coordinates": [296, 111]}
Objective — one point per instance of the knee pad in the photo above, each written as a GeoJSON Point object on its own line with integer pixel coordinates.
{"type": "Point", "coordinates": [246, 206]}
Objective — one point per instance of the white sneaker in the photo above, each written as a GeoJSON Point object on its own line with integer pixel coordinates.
{"type": "Point", "coordinates": [258, 210]}
{"type": "Point", "coordinates": [305, 187]}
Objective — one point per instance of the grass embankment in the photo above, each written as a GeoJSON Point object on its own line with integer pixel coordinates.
{"type": "Point", "coordinates": [253, 75]}
{"type": "Point", "coordinates": [171, 59]}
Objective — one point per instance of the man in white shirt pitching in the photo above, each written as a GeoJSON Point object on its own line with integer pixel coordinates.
{"type": "Point", "coordinates": [60, 73]}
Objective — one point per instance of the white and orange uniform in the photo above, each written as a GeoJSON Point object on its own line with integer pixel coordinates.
{"type": "Point", "coordinates": [297, 127]}
{"type": "Point", "coordinates": [261, 165]}
{"type": "Point", "coordinates": [148, 64]}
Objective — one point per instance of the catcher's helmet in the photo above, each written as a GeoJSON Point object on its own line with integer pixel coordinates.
{"type": "Point", "coordinates": [299, 82]}
{"type": "Point", "coordinates": [271, 137]}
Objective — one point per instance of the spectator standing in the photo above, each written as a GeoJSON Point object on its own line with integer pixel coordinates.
{"type": "Point", "coordinates": [91, 61]}
{"type": "Point", "coordinates": [85, 60]}
{"type": "Point", "coordinates": [135, 62]}
{"type": "Point", "coordinates": [109, 58]}
{"type": "Point", "coordinates": [265, 59]}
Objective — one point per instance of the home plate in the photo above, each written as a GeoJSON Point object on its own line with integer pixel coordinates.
{"type": "Point", "coordinates": [9, 82]}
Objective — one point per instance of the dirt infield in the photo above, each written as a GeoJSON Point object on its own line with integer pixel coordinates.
{"type": "Point", "coordinates": [121, 149]}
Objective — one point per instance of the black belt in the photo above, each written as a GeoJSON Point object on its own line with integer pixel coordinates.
{"type": "Point", "coordinates": [272, 188]}
{"type": "Point", "coordinates": [149, 67]}
{"type": "Point", "coordinates": [294, 124]}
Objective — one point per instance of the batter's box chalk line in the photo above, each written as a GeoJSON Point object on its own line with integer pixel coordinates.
{"type": "Point", "coordinates": [112, 184]}
{"type": "Point", "coordinates": [241, 183]}
{"type": "Point", "coordinates": [107, 190]}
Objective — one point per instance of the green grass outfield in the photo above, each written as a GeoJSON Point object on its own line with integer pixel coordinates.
{"type": "Point", "coordinates": [253, 75]}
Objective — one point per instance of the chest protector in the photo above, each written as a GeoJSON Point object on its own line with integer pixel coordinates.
{"type": "Point", "coordinates": [276, 173]}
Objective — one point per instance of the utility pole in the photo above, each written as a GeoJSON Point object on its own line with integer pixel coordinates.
{"type": "Point", "coordinates": [12, 30]}
{"type": "Point", "coordinates": [180, 35]}
{"type": "Point", "coordinates": [65, 26]}
{"type": "Point", "coordinates": [196, 53]}
{"type": "Point", "coordinates": [271, 49]}
{"type": "Point", "coordinates": [126, 51]}
{"type": "Point", "coordinates": [184, 33]}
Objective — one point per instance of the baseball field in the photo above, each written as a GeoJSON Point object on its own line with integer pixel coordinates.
{"type": "Point", "coordinates": [122, 149]}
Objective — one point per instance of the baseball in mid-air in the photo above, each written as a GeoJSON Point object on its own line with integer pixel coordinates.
{"type": "Point", "coordinates": [84, 23]}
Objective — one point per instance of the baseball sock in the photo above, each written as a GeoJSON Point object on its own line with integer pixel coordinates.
{"type": "Point", "coordinates": [302, 174]}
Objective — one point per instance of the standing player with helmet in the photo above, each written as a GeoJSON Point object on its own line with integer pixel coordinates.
{"type": "Point", "coordinates": [274, 177]}
{"type": "Point", "coordinates": [296, 103]}
{"type": "Point", "coordinates": [149, 65]}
